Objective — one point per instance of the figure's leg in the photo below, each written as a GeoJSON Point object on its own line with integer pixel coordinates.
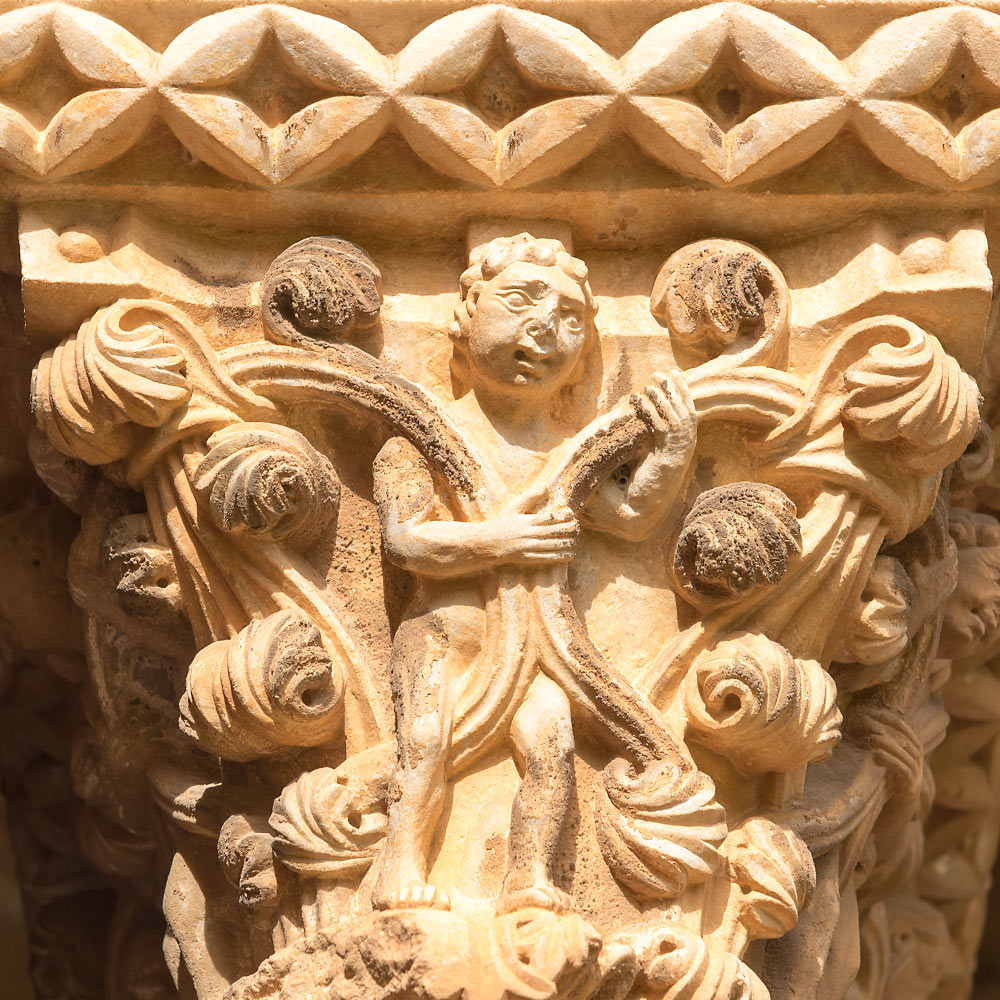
{"type": "Point", "coordinates": [542, 734]}
{"type": "Point", "coordinates": [417, 789]}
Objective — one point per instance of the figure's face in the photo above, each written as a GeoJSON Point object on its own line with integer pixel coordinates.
{"type": "Point", "coordinates": [880, 629]}
{"type": "Point", "coordinates": [528, 331]}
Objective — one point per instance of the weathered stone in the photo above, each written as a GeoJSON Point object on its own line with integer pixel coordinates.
{"type": "Point", "coordinates": [498, 499]}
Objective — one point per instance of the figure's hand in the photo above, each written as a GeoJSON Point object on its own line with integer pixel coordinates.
{"type": "Point", "coordinates": [544, 538]}
{"type": "Point", "coordinates": [633, 501]}
{"type": "Point", "coordinates": [667, 408]}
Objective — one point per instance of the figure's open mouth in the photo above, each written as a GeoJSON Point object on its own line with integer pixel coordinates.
{"type": "Point", "coordinates": [525, 362]}
{"type": "Point", "coordinates": [528, 362]}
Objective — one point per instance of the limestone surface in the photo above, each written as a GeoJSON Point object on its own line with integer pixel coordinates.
{"type": "Point", "coordinates": [497, 499]}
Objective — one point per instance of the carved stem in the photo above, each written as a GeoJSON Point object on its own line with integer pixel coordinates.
{"type": "Point", "coordinates": [611, 704]}
{"type": "Point", "coordinates": [347, 378]}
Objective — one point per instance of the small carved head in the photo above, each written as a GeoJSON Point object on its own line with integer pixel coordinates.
{"type": "Point", "coordinates": [880, 621]}
{"type": "Point", "coordinates": [972, 611]}
{"type": "Point", "coordinates": [526, 319]}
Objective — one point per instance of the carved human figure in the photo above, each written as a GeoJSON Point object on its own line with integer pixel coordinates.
{"type": "Point", "coordinates": [523, 340]}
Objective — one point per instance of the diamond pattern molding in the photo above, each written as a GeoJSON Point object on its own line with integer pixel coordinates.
{"type": "Point", "coordinates": [474, 100]}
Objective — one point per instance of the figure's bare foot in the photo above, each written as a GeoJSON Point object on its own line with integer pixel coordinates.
{"type": "Point", "coordinates": [542, 894]}
{"type": "Point", "coordinates": [408, 894]}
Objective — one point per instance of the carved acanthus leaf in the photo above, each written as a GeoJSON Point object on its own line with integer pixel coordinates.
{"type": "Point", "coordinates": [247, 858]}
{"type": "Point", "coordinates": [735, 539]}
{"type": "Point", "coordinates": [895, 747]}
{"type": "Point", "coordinates": [121, 371]}
{"type": "Point", "coordinates": [659, 828]}
{"type": "Point", "coordinates": [915, 393]}
{"type": "Point", "coordinates": [921, 952]}
{"type": "Point", "coordinates": [749, 699]}
{"type": "Point", "coordinates": [972, 612]}
{"type": "Point", "coordinates": [880, 620]}
{"type": "Point", "coordinates": [722, 297]}
{"type": "Point", "coordinates": [272, 686]}
{"type": "Point", "coordinates": [146, 576]}
{"type": "Point", "coordinates": [319, 291]}
{"type": "Point", "coordinates": [328, 824]}
{"type": "Point", "coordinates": [711, 294]}
{"type": "Point", "coordinates": [268, 480]}
{"type": "Point", "coordinates": [540, 954]}
{"type": "Point", "coordinates": [678, 965]}
{"type": "Point", "coordinates": [775, 870]}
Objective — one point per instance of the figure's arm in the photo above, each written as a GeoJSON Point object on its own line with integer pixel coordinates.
{"type": "Point", "coordinates": [417, 539]}
{"type": "Point", "coordinates": [632, 502]}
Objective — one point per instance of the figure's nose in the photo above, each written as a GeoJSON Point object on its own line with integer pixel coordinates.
{"type": "Point", "coordinates": [542, 323]}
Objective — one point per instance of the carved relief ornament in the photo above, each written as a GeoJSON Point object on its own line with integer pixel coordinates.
{"type": "Point", "coordinates": [603, 608]}
{"type": "Point", "coordinates": [490, 804]}
{"type": "Point", "coordinates": [545, 106]}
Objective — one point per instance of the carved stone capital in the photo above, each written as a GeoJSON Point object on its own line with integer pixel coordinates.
{"type": "Point", "coordinates": [498, 500]}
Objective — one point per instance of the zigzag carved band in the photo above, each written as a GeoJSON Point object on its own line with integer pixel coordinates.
{"type": "Point", "coordinates": [502, 97]}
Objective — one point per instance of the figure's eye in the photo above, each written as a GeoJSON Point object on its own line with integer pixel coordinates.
{"type": "Point", "coordinates": [572, 320]}
{"type": "Point", "coordinates": [516, 299]}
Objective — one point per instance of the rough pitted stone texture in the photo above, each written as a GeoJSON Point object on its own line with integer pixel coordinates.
{"type": "Point", "coordinates": [497, 500]}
